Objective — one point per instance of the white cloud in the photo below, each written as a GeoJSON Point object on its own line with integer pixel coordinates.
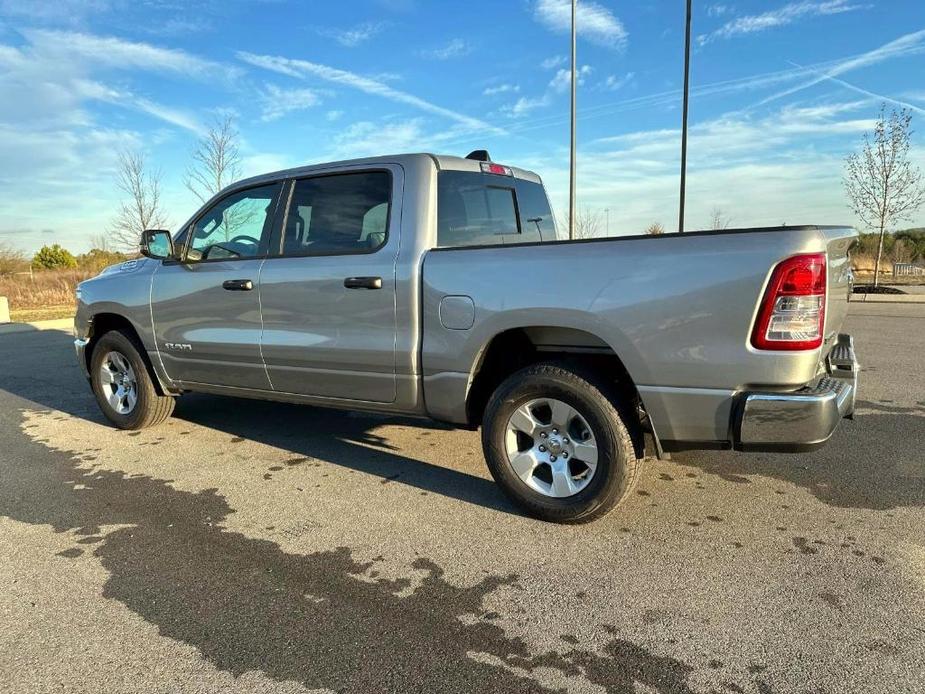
{"type": "Point", "coordinates": [454, 49]}
{"type": "Point", "coordinates": [278, 102]}
{"type": "Point", "coordinates": [563, 79]}
{"type": "Point", "coordinates": [595, 22]}
{"type": "Point", "coordinates": [302, 69]}
{"type": "Point", "coordinates": [788, 14]}
{"type": "Point", "coordinates": [719, 10]}
{"type": "Point", "coordinates": [333, 115]}
{"type": "Point", "coordinates": [356, 35]}
{"type": "Point", "coordinates": [525, 105]}
{"type": "Point", "coordinates": [501, 89]}
{"type": "Point", "coordinates": [553, 62]}
{"type": "Point", "coordinates": [614, 83]}
{"type": "Point", "coordinates": [559, 84]}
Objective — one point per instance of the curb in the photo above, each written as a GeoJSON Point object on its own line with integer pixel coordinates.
{"type": "Point", "coordinates": [66, 324]}
{"type": "Point", "coordinates": [888, 298]}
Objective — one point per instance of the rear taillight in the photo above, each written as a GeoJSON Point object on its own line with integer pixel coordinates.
{"type": "Point", "coordinates": [793, 309]}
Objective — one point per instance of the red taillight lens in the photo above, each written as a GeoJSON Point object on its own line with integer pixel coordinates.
{"type": "Point", "coordinates": [793, 309]}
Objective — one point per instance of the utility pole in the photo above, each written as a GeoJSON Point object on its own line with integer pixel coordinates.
{"type": "Point", "coordinates": [571, 191]}
{"type": "Point", "coordinates": [687, 79]}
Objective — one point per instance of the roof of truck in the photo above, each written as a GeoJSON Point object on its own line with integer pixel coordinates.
{"type": "Point", "coordinates": [442, 161]}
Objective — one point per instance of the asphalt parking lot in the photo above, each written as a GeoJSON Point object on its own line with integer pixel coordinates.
{"type": "Point", "coordinates": [260, 547]}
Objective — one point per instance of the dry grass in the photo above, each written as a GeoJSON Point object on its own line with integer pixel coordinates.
{"type": "Point", "coordinates": [45, 290]}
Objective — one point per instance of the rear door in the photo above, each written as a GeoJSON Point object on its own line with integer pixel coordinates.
{"type": "Point", "coordinates": [328, 287]}
{"type": "Point", "coordinates": [206, 311]}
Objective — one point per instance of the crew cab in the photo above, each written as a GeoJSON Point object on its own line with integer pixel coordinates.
{"type": "Point", "coordinates": [438, 286]}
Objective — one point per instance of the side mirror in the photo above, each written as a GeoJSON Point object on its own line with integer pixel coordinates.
{"type": "Point", "coordinates": [157, 244]}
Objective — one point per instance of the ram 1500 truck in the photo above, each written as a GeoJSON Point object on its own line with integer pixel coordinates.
{"type": "Point", "coordinates": [437, 286]}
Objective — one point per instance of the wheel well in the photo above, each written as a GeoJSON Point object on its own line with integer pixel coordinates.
{"type": "Point", "coordinates": [102, 323]}
{"type": "Point", "coordinates": [514, 349]}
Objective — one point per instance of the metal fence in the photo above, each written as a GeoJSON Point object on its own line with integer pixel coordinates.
{"type": "Point", "coordinates": [907, 269]}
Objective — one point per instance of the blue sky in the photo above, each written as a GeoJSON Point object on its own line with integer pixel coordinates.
{"type": "Point", "coordinates": [781, 92]}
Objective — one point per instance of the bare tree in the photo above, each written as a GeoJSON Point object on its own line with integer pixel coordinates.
{"type": "Point", "coordinates": [142, 208]}
{"type": "Point", "coordinates": [12, 259]}
{"type": "Point", "coordinates": [101, 242]}
{"type": "Point", "coordinates": [655, 229]}
{"type": "Point", "coordinates": [719, 219]}
{"type": "Point", "coordinates": [882, 185]}
{"type": "Point", "coordinates": [588, 223]}
{"type": "Point", "coordinates": [216, 160]}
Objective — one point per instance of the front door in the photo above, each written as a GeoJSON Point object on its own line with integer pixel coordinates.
{"type": "Point", "coordinates": [206, 310]}
{"type": "Point", "coordinates": [328, 290]}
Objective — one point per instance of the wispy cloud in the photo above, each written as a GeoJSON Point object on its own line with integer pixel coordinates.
{"type": "Point", "coordinates": [559, 84]}
{"type": "Point", "coordinates": [563, 79]}
{"type": "Point", "coordinates": [118, 53]}
{"type": "Point", "coordinates": [355, 35]}
{"type": "Point", "coordinates": [302, 68]}
{"type": "Point", "coordinates": [907, 44]}
{"type": "Point", "coordinates": [553, 62]}
{"type": "Point", "coordinates": [787, 14]}
{"type": "Point", "coordinates": [595, 22]}
{"type": "Point", "coordinates": [615, 82]}
{"type": "Point", "coordinates": [454, 49]}
{"type": "Point", "coordinates": [89, 89]}
{"type": "Point", "coordinates": [501, 89]}
{"type": "Point", "coordinates": [278, 102]}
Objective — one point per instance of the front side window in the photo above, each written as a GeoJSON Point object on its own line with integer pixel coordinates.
{"type": "Point", "coordinates": [476, 209]}
{"type": "Point", "coordinates": [237, 226]}
{"type": "Point", "coordinates": [338, 214]}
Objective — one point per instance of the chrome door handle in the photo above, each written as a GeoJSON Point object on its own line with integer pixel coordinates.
{"type": "Point", "coordinates": [363, 283]}
{"type": "Point", "coordinates": [238, 285]}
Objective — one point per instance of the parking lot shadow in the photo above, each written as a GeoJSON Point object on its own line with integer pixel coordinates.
{"type": "Point", "coordinates": [40, 368]}
{"type": "Point", "coordinates": [873, 462]}
{"type": "Point", "coordinates": [322, 619]}
{"type": "Point", "coordinates": [341, 438]}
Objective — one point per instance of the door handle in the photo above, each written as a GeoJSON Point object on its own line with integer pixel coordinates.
{"type": "Point", "coordinates": [363, 283]}
{"type": "Point", "coordinates": [238, 285]}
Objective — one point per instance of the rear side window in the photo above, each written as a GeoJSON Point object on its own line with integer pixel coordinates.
{"type": "Point", "coordinates": [480, 209]}
{"type": "Point", "coordinates": [476, 209]}
{"type": "Point", "coordinates": [536, 220]}
{"type": "Point", "coordinates": [338, 214]}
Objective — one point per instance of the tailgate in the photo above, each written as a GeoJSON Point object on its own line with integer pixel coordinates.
{"type": "Point", "coordinates": [839, 241]}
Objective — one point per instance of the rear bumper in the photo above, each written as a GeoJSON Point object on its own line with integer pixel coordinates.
{"type": "Point", "coordinates": [799, 420]}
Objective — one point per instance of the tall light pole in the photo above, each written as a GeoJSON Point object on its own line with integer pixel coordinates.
{"type": "Point", "coordinates": [571, 183]}
{"type": "Point", "coordinates": [687, 82]}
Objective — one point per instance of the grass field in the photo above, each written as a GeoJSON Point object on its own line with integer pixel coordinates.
{"type": "Point", "coordinates": [43, 295]}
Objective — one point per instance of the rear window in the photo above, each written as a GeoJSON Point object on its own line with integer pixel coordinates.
{"type": "Point", "coordinates": [476, 209]}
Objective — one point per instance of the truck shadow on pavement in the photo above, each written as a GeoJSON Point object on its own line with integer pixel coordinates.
{"type": "Point", "coordinates": [873, 462]}
{"type": "Point", "coordinates": [321, 619]}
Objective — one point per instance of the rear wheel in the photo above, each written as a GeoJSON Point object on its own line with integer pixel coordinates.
{"type": "Point", "coordinates": [122, 385]}
{"type": "Point", "coordinates": [556, 443]}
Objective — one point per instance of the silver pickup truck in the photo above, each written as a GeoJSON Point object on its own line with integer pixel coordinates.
{"type": "Point", "coordinates": [437, 286]}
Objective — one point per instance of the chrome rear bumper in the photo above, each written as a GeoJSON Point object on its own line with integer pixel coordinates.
{"type": "Point", "coordinates": [804, 419]}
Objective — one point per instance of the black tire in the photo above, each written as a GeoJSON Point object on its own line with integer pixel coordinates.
{"type": "Point", "coordinates": [149, 408]}
{"type": "Point", "coordinates": [593, 398]}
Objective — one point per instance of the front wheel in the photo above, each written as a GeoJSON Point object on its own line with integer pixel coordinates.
{"type": "Point", "coordinates": [122, 385]}
{"type": "Point", "coordinates": [557, 445]}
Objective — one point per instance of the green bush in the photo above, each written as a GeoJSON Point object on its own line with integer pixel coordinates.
{"type": "Point", "coordinates": [53, 258]}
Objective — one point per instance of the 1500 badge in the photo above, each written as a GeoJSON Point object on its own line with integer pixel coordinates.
{"type": "Point", "coordinates": [178, 345]}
